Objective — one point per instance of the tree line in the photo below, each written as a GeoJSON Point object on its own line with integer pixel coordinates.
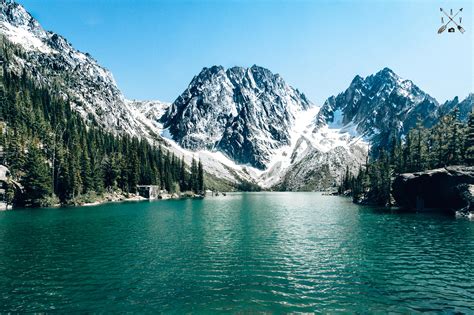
{"type": "Point", "coordinates": [57, 157]}
{"type": "Point", "coordinates": [449, 142]}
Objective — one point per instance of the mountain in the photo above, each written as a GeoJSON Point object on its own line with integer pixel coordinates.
{"type": "Point", "coordinates": [246, 113]}
{"type": "Point", "coordinates": [247, 125]}
{"type": "Point", "coordinates": [255, 118]}
{"type": "Point", "coordinates": [378, 107]}
{"type": "Point", "coordinates": [261, 127]}
{"type": "Point", "coordinates": [464, 107]}
{"type": "Point", "coordinates": [74, 76]}
{"type": "Point", "coordinates": [150, 109]}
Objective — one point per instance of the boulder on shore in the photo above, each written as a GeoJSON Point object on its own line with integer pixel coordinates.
{"type": "Point", "coordinates": [450, 189]}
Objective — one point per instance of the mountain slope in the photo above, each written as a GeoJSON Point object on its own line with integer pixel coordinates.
{"type": "Point", "coordinates": [246, 113]}
{"type": "Point", "coordinates": [314, 160]}
{"type": "Point", "coordinates": [77, 77]}
{"type": "Point", "coordinates": [152, 110]}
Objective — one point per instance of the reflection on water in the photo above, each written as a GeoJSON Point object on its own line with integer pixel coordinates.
{"type": "Point", "coordinates": [279, 252]}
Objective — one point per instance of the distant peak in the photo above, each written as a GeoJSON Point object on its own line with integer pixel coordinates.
{"type": "Point", "coordinates": [15, 14]}
{"type": "Point", "coordinates": [211, 70]}
{"type": "Point", "coordinates": [357, 79]}
{"type": "Point", "coordinates": [257, 67]}
{"type": "Point", "coordinates": [386, 69]}
{"type": "Point", "coordinates": [386, 72]}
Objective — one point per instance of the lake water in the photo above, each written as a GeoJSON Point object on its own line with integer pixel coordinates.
{"type": "Point", "coordinates": [249, 252]}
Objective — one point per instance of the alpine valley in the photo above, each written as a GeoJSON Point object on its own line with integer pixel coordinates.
{"type": "Point", "coordinates": [248, 127]}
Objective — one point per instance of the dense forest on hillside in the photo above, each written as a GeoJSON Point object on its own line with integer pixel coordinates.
{"type": "Point", "coordinates": [57, 157]}
{"type": "Point", "coordinates": [449, 142]}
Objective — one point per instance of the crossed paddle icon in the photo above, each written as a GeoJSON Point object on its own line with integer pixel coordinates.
{"type": "Point", "coordinates": [451, 19]}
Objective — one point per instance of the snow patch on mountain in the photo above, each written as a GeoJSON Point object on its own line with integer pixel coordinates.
{"type": "Point", "coordinates": [23, 37]}
{"type": "Point", "coordinates": [153, 110]}
{"type": "Point", "coordinates": [328, 142]}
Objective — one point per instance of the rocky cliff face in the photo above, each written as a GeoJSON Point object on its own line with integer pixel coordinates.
{"type": "Point", "coordinates": [245, 113]}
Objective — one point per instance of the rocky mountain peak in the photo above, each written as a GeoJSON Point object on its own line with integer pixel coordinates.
{"type": "Point", "coordinates": [378, 106]}
{"type": "Point", "coordinates": [243, 112]}
{"type": "Point", "coordinates": [16, 15]}
{"type": "Point", "coordinates": [387, 72]}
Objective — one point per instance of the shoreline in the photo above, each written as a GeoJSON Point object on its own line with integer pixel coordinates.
{"type": "Point", "coordinates": [106, 200]}
{"type": "Point", "coordinates": [113, 197]}
{"type": "Point", "coordinates": [138, 198]}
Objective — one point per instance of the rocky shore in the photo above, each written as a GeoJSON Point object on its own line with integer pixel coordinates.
{"type": "Point", "coordinates": [449, 189]}
{"type": "Point", "coordinates": [119, 196]}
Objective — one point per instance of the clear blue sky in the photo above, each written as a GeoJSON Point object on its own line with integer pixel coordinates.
{"type": "Point", "coordinates": [154, 48]}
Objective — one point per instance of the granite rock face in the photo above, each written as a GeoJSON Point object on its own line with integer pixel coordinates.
{"type": "Point", "coordinates": [448, 189]}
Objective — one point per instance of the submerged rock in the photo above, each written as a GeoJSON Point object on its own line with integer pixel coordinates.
{"type": "Point", "coordinates": [450, 189]}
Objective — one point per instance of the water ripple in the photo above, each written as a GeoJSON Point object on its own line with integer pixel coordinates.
{"type": "Point", "coordinates": [259, 252]}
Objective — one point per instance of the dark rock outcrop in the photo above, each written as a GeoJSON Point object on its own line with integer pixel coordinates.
{"type": "Point", "coordinates": [447, 189]}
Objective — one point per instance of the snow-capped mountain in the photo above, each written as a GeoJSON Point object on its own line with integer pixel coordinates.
{"type": "Point", "coordinates": [75, 76]}
{"type": "Point", "coordinates": [245, 124]}
{"type": "Point", "coordinates": [261, 128]}
{"type": "Point", "coordinates": [246, 113]}
{"type": "Point", "coordinates": [378, 106]}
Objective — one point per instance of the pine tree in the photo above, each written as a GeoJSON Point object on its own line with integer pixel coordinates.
{"type": "Point", "coordinates": [397, 157]}
{"type": "Point", "coordinates": [455, 139]}
{"type": "Point", "coordinates": [74, 169]}
{"type": "Point", "coordinates": [200, 178]}
{"type": "Point", "coordinates": [419, 147]}
{"type": "Point", "coordinates": [86, 172]}
{"type": "Point", "coordinates": [194, 176]}
{"type": "Point", "coordinates": [469, 144]}
{"type": "Point", "coordinates": [438, 146]}
{"type": "Point", "coordinates": [133, 168]}
{"type": "Point", "coordinates": [97, 172]}
{"type": "Point", "coordinates": [182, 175]}
{"type": "Point", "coordinates": [110, 171]}
{"type": "Point", "coordinates": [37, 180]}
{"type": "Point", "coordinates": [15, 155]}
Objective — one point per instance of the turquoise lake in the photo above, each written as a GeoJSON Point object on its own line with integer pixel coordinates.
{"type": "Point", "coordinates": [240, 253]}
